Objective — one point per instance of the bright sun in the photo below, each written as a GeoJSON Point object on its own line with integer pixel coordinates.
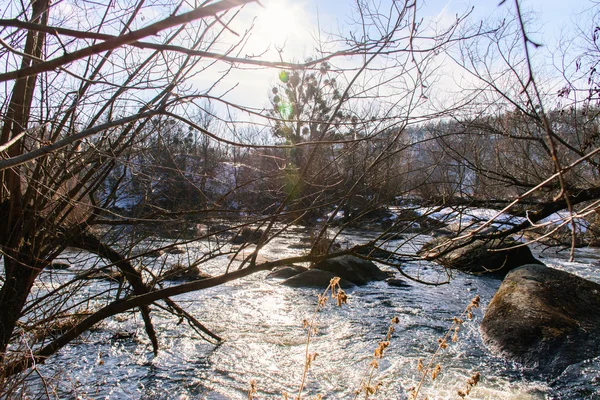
{"type": "Point", "coordinates": [280, 20]}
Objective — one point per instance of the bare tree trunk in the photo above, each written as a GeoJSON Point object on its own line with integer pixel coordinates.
{"type": "Point", "coordinates": [21, 269]}
{"type": "Point", "coordinates": [12, 298]}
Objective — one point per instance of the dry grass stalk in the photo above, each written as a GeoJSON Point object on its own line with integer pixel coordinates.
{"type": "Point", "coordinates": [252, 390]}
{"type": "Point", "coordinates": [434, 371]}
{"type": "Point", "coordinates": [366, 385]}
{"type": "Point", "coordinates": [471, 383]}
{"type": "Point", "coordinates": [311, 325]}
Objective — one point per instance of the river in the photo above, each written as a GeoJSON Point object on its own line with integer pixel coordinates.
{"type": "Point", "coordinates": [262, 324]}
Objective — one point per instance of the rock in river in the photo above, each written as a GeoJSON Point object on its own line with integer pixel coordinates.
{"type": "Point", "coordinates": [58, 266]}
{"type": "Point", "coordinates": [544, 318]}
{"type": "Point", "coordinates": [175, 250]}
{"type": "Point", "coordinates": [353, 269]}
{"type": "Point", "coordinates": [184, 273]}
{"type": "Point", "coordinates": [396, 282]}
{"type": "Point", "coordinates": [247, 235]}
{"type": "Point", "coordinates": [497, 256]}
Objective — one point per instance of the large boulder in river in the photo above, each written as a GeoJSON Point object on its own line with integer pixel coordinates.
{"type": "Point", "coordinates": [315, 278]}
{"type": "Point", "coordinates": [58, 266]}
{"type": "Point", "coordinates": [544, 318]}
{"type": "Point", "coordinates": [498, 256]}
{"type": "Point", "coordinates": [353, 269]}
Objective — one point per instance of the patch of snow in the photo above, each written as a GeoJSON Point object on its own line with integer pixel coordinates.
{"type": "Point", "coordinates": [339, 215]}
{"type": "Point", "coordinates": [563, 218]}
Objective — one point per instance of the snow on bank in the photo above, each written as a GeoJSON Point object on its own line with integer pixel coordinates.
{"type": "Point", "coordinates": [473, 217]}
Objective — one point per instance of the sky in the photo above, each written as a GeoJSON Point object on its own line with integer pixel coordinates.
{"type": "Point", "coordinates": [295, 22]}
{"type": "Point", "coordinates": [554, 15]}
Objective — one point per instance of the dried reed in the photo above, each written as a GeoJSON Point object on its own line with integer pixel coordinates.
{"type": "Point", "coordinates": [365, 383]}
{"type": "Point", "coordinates": [434, 371]}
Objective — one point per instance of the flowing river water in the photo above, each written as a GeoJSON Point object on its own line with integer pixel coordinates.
{"type": "Point", "coordinates": [262, 324]}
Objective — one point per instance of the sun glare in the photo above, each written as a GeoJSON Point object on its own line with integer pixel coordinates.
{"type": "Point", "coordinates": [280, 20]}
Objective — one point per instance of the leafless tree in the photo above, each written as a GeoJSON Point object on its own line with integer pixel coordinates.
{"type": "Point", "coordinates": [99, 106]}
{"type": "Point", "coordinates": [522, 147]}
